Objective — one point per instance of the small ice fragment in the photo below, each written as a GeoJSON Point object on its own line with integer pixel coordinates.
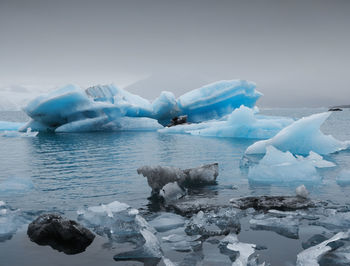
{"type": "Point", "coordinates": [167, 221]}
{"type": "Point", "coordinates": [301, 191]}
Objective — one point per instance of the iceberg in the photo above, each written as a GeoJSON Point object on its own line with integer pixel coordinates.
{"type": "Point", "coordinates": [72, 109]}
{"type": "Point", "coordinates": [14, 134]}
{"type": "Point", "coordinates": [217, 99]}
{"type": "Point", "coordinates": [301, 137]}
{"type": "Point", "coordinates": [10, 126]}
{"type": "Point", "coordinates": [282, 167]}
{"type": "Point", "coordinates": [167, 221]}
{"type": "Point", "coordinates": [241, 123]}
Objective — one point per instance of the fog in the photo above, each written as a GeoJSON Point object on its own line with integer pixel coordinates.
{"type": "Point", "coordinates": [296, 51]}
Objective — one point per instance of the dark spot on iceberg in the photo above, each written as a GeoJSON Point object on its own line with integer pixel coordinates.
{"type": "Point", "coordinates": [59, 233]}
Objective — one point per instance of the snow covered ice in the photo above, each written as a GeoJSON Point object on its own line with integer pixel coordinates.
{"type": "Point", "coordinates": [282, 167]}
{"type": "Point", "coordinates": [301, 137]}
{"type": "Point", "coordinates": [241, 123]}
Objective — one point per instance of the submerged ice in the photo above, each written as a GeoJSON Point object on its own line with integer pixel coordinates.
{"type": "Point", "coordinates": [72, 109]}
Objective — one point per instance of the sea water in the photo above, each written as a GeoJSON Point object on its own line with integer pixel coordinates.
{"type": "Point", "coordinates": [64, 172]}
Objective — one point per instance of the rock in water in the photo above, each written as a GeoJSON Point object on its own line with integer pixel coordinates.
{"type": "Point", "coordinates": [178, 120]}
{"type": "Point", "coordinates": [59, 233]}
{"type": "Point", "coordinates": [281, 203]}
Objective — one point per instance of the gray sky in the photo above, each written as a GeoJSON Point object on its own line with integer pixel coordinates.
{"type": "Point", "coordinates": [296, 51]}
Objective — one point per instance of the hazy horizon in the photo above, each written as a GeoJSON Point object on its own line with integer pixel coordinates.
{"type": "Point", "coordinates": [296, 51]}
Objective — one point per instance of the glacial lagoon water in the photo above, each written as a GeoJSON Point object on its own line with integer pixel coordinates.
{"type": "Point", "coordinates": [65, 172]}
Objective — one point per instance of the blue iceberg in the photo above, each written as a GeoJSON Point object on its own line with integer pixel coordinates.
{"type": "Point", "coordinates": [102, 108]}
{"type": "Point", "coordinates": [282, 167]}
{"type": "Point", "coordinates": [10, 126]}
{"type": "Point", "coordinates": [301, 137]}
{"type": "Point", "coordinates": [241, 123]}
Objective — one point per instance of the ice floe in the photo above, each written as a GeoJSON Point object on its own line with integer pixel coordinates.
{"type": "Point", "coordinates": [11, 220]}
{"type": "Point", "coordinates": [121, 223]}
{"type": "Point", "coordinates": [301, 137]}
{"type": "Point", "coordinates": [241, 123]}
{"type": "Point", "coordinates": [282, 167]}
{"type": "Point", "coordinates": [312, 255]}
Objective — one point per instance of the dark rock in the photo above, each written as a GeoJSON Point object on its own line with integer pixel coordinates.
{"type": "Point", "coordinates": [335, 109]}
{"type": "Point", "coordinates": [178, 120]}
{"type": "Point", "coordinates": [59, 233]}
{"type": "Point", "coordinates": [265, 203]}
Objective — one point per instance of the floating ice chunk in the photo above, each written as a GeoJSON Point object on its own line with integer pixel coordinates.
{"type": "Point", "coordinates": [15, 134]}
{"type": "Point", "coordinates": [159, 176]}
{"type": "Point", "coordinates": [149, 253]}
{"type": "Point", "coordinates": [334, 220]}
{"type": "Point", "coordinates": [219, 222]}
{"type": "Point", "coordinates": [245, 250]}
{"type": "Point", "coordinates": [217, 99]}
{"type": "Point", "coordinates": [241, 123]}
{"type": "Point", "coordinates": [316, 160]}
{"type": "Point", "coordinates": [172, 191]}
{"type": "Point", "coordinates": [10, 221]}
{"type": "Point", "coordinates": [301, 191]}
{"type": "Point", "coordinates": [121, 223]}
{"type": "Point", "coordinates": [287, 226]}
{"type": "Point", "coordinates": [10, 126]}
{"type": "Point", "coordinates": [282, 167]}
{"type": "Point", "coordinates": [301, 137]}
{"type": "Point", "coordinates": [311, 256]}
{"type": "Point", "coordinates": [167, 221]}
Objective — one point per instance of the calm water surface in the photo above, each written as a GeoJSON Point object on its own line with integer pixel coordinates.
{"type": "Point", "coordinates": [63, 172]}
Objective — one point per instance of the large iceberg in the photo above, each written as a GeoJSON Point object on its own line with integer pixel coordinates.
{"type": "Point", "coordinates": [241, 123]}
{"type": "Point", "coordinates": [72, 109]}
{"type": "Point", "coordinates": [301, 137]}
{"type": "Point", "coordinates": [283, 167]}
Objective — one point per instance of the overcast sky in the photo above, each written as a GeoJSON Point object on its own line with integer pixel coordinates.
{"type": "Point", "coordinates": [296, 51]}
